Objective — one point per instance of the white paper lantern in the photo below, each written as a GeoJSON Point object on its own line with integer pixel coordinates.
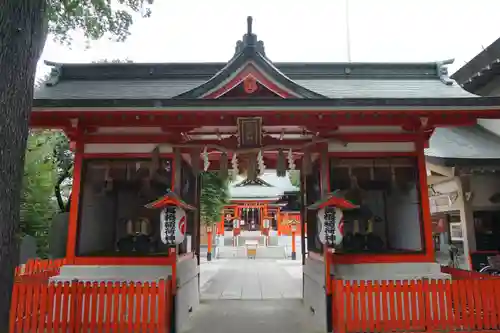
{"type": "Point", "coordinates": [321, 225]}
{"type": "Point", "coordinates": [173, 225]}
{"type": "Point", "coordinates": [338, 226]}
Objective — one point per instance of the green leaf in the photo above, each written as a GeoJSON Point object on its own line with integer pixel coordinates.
{"type": "Point", "coordinates": [214, 195]}
{"type": "Point", "coordinates": [95, 18]}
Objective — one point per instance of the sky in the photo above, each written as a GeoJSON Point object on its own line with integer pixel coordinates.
{"type": "Point", "coordinates": [292, 30]}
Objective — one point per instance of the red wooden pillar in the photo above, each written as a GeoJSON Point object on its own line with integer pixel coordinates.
{"type": "Point", "coordinates": [209, 242]}
{"type": "Point", "coordinates": [294, 231]}
{"type": "Point", "coordinates": [75, 199]}
{"type": "Point", "coordinates": [220, 225]}
{"type": "Point", "coordinates": [425, 219]}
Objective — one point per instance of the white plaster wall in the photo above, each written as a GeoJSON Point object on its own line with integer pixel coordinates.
{"type": "Point", "coordinates": [124, 148]}
{"type": "Point", "coordinates": [492, 125]}
{"type": "Point", "coordinates": [315, 292]}
{"type": "Point", "coordinates": [356, 147]}
{"type": "Point", "coordinates": [188, 296]}
{"type": "Point", "coordinates": [403, 217]}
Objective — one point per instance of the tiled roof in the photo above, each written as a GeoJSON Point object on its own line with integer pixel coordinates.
{"type": "Point", "coordinates": [470, 144]}
{"type": "Point", "coordinates": [279, 185]}
{"type": "Point", "coordinates": [124, 83]}
{"type": "Point", "coordinates": [481, 69]}
{"type": "Point", "coordinates": [332, 88]}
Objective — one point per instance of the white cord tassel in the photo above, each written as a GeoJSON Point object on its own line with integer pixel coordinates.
{"type": "Point", "coordinates": [291, 162]}
{"type": "Point", "coordinates": [234, 166]}
{"type": "Point", "coordinates": [206, 162]}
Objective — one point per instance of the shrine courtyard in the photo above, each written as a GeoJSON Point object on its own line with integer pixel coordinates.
{"type": "Point", "coordinates": [241, 295]}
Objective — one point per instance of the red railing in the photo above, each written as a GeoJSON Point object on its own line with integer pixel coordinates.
{"type": "Point", "coordinates": [460, 274]}
{"type": "Point", "coordinates": [416, 306]}
{"type": "Point", "coordinates": [39, 305]}
{"type": "Point", "coordinates": [42, 306]}
{"type": "Point", "coordinates": [37, 266]}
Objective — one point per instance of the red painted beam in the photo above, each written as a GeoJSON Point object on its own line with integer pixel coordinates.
{"type": "Point", "coordinates": [278, 118]}
{"type": "Point", "coordinates": [133, 138]}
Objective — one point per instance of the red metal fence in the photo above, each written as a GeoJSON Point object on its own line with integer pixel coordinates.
{"type": "Point", "coordinates": [39, 305]}
{"type": "Point", "coordinates": [427, 305]}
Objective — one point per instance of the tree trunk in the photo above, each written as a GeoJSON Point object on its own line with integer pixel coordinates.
{"type": "Point", "coordinates": [22, 37]}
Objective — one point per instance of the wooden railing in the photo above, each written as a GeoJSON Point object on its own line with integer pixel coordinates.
{"type": "Point", "coordinates": [36, 266]}
{"type": "Point", "coordinates": [416, 306]}
{"type": "Point", "coordinates": [42, 306]}
{"type": "Point", "coordinates": [460, 274]}
{"type": "Point", "coordinates": [39, 305]}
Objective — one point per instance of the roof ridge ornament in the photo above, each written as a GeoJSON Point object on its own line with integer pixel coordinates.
{"type": "Point", "coordinates": [442, 71]}
{"type": "Point", "coordinates": [249, 25]}
{"type": "Point", "coordinates": [250, 41]}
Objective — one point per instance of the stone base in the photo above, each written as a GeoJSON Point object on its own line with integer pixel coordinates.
{"type": "Point", "coordinates": [112, 273]}
{"type": "Point", "coordinates": [389, 271]}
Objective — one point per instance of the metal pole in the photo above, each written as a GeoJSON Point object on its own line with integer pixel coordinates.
{"type": "Point", "coordinates": [348, 31]}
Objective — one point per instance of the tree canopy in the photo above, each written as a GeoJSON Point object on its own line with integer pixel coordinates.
{"type": "Point", "coordinates": [214, 195]}
{"type": "Point", "coordinates": [24, 28]}
{"type": "Point", "coordinates": [37, 196]}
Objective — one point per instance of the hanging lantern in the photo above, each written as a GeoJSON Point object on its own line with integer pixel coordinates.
{"type": "Point", "coordinates": [330, 226]}
{"type": "Point", "coordinates": [173, 225]}
{"type": "Point", "coordinates": [173, 219]}
{"type": "Point", "coordinates": [330, 218]}
{"type": "Point", "coordinates": [281, 164]}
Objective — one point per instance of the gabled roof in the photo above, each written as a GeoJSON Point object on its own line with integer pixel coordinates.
{"type": "Point", "coordinates": [165, 84]}
{"type": "Point", "coordinates": [169, 199]}
{"type": "Point", "coordinates": [277, 186]}
{"type": "Point", "coordinates": [249, 60]}
{"type": "Point", "coordinates": [333, 199]}
{"type": "Point", "coordinates": [256, 182]}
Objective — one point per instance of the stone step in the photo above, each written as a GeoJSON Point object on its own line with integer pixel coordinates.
{"type": "Point", "coordinates": [271, 252]}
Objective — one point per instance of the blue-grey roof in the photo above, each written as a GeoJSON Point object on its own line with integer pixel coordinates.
{"type": "Point", "coordinates": [468, 144]}
{"type": "Point", "coordinates": [332, 88]}
{"type": "Point", "coordinates": [130, 82]}
{"type": "Point", "coordinates": [279, 185]}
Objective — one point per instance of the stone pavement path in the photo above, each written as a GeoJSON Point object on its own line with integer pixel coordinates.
{"type": "Point", "coordinates": [250, 296]}
{"type": "Point", "coordinates": [245, 279]}
{"type": "Point", "coordinates": [239, 316]}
